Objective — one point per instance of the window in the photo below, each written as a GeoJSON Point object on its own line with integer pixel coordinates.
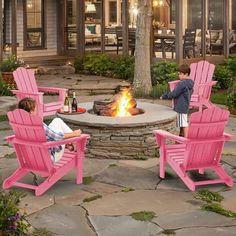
{"type": "Point", "coordinates": [34, 22]}
{"type": "Point", "coordinates": [113, 12]}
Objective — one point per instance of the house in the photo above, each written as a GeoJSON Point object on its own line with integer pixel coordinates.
{"type": "Point", "coordinates": [34, 28]}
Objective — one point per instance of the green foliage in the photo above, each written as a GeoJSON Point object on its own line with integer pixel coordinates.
{"type": "Point", "coordinates": [158, 90]}
{"type": "Point", "coordinates": [231, 98]}
{"type": "Point", "coordinates": [11, 63]}
{"type": "Point", "coordinates": [224, 75]}
{"type": "Point", "coordinates": [5, 88]}
{"type": "Point", "coordinates": [231, 64]}
{"type": "Point", "coordinates": [219, 98]}
{"type": "Point", "coordinates": [163, 72]}
{"type": "Point", "coordinates": [3, 118]}
{"type": "Point", "coordinates": [140, 156]}
{"type": "Point", "coordinates": [143, 215]}
{"type": "Point", "coordinates": [208, 196]}
{"type": "Point", "coordinates": [11, 221]}
{"type": "Point", "coordinates": [98, 64]}
{"type": "Point", "coordinates": [93, 198]}
{"type": "Point", "coordinates": [79, 63]}
{"type": "Point", "coordinates": [217, 208]}
{"type": "Point", "coordinates": [124, 68]}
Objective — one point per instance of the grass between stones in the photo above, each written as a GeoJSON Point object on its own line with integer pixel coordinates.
{"type": "Point", "coordinates": [3, 118]}
{"type": "Point", "coordinates": [140, 156]}
{"type": "Point", "coordinates": [93, 198]}
{"type": "Point", "coordinates": [168, 232]}
{"type": "Point", "coordinates": [143, 215]}
{"type": "Point", "coordinates": [213, 200]}
{"type": "Point", "coordinates": [88, 180]}
{"type": "Point", "coordinates": [113, 165]}
{"type": "Point", "coordinates": [42, 232]}
{"type": "Point", "coordinates": [128, 189]}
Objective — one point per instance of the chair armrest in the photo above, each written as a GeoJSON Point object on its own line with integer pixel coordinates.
{"type": "Point", "coordinates": [9, 138]}
{"type": "Point", "coordinates": [26, 93]}
{"type": "Point", "coordinates": [65, 141]}
{"type": "Point", "coordinates": [167, 135]}
{"type": "Point", "coordinates": [227, 136]}
{"type": "Point", "coordinates": [173, 84]}
{"type": "Point", "coordinates": [212, 83]}
{"type": "Point", "coordinates": [50, 89]}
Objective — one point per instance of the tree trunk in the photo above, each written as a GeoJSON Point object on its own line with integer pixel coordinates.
{"type": "Point", "coordinates": [142, 74]}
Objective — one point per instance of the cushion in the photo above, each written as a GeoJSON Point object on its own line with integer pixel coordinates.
{"type": "Point", "coordinates": [98, 29]}
{"type": "Point", "coordinates": [92, 28]}
{"type": "Point", "coordinates": [87, 32]}
{"type": "Point", "coordinates": [214, 36]}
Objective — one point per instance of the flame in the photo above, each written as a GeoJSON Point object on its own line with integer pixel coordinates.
{"type": "Point", "coordinates": [123, 104]}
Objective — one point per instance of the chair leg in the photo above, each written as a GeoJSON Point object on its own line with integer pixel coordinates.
{"type": "Point", "coordinates": [224, 176]}
{"type": "Point", "coordinates": [79, 174]}
{"type": "Point", "coordinates": [18, 174]}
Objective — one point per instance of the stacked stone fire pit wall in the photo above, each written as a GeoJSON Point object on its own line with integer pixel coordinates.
{"type": "Point", "coordinates": [123, 137]}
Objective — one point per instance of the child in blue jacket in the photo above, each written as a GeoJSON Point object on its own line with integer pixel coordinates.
{"type": "Point", "coordinates": [182, 95]}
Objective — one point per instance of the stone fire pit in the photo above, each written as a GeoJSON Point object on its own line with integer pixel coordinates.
{"type": "Point", "coordinates": [123, 137]}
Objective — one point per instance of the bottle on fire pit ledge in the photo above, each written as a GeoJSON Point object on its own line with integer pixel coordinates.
{"type": "Point", "coordinates": [74, 103]}
{"type": "Point", "coordinates": [66, 105]}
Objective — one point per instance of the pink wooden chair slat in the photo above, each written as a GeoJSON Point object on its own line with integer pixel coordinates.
{"type": "Point", "coordinates": [201, 150]}
{"type": "Point", "coordinates": [27, 87]}
{"type": "Point", "coordinates": [25, 80]}
{"type": "Point", "coordinates": [33, 154]}
{"type": "Point", "coordinates": [201, 73]}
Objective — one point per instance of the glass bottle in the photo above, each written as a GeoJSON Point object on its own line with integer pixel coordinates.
{"type": "Point", "coordinates": [66, 104]}
{"type": "Point", "coordinates": [74, 103]}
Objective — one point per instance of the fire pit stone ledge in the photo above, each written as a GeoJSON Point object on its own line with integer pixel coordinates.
{"type": "Point", "coordinates": [123, 137]}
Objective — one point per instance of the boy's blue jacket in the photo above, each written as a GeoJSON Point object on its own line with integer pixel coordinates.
{"type": "Point", "coordinates": [181, 95]}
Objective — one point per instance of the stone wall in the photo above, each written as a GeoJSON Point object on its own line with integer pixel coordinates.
{"type": "Point", "coordinates": [124, 142]}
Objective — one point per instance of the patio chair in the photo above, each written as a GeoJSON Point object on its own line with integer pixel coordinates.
{"type": "Point", "coordinates": [200, 151]}
{"type": "Point", "coordinates": [201, 74]}
{"type": "Point", "coordinates": [33, 154]}
{"type": "Point", "coordinates": [27, 87]}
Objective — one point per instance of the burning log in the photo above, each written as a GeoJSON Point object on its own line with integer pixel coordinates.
{"type": "Point", "coordinates": [122, 104]}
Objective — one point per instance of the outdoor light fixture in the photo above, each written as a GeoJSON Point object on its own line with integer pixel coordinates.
{"type": "Point", "coordinates": [158, 3]}
{"type": "Point", "coordinates": [90, 8]}
{"type": "Point", "coordinates": [29, 4]}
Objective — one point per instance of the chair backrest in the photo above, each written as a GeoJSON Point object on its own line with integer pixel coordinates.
{"type": "Point", "coordinates": [29, 136]}
{"type": "Point", "coordinates": [25, 80]}
{"type": "Point", "coordinates": [189, 38]}
{"type": "Point", "coordinates": [201, 73]}
{"type": "Point", "coordinates": [206, 130]}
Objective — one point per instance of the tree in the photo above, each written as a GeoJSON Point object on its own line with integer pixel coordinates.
{"type": "Point", "coordinates": [142, 73]}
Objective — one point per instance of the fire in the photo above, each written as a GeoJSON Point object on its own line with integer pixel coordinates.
{"type": "Point", "coordinates": [124, 103]}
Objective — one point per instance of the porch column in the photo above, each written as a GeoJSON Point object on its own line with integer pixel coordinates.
{"type": "Point", "coordinates": [80, 21]}
{"type": "Point", "coordinates": [1, 31]}
{"type": "Point", "coordinates": [13, 27]}
{"type": "Point", "coordinates": [103, 27]}
{"type": "Point", "coordinates": [204, 10]}
{"type": "Point", "coordinates": [125, 27]}
{"type": "Point", "coordinates": [226, 28]}
{"type": "Point", "coordinates": [179, 30]}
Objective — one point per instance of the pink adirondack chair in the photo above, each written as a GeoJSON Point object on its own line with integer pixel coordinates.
{"type": "Point", "coordinates": [27, 87]}
{"type": "Point", "coordinates": [201, 150]}
{"type": "Point", "coordinates": [201, 74]}
{"type": "Point", "coordinates": [32, 151]}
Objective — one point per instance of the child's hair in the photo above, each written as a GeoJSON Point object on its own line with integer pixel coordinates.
{"type": "Point", "coordinates": [27, 104]}
{"type": "Point", "coordinates": [185, 69]}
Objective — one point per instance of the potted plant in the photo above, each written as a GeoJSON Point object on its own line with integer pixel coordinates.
{"type": "Point", "coordinates": [12, 222]}
{"type": "Point", "coordinates": [8, 66]}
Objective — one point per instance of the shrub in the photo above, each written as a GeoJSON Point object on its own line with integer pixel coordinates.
{"type": "Point", "coordinates": [158, 90]}
{"type": "Point", "coordinates": [5, 88]}
{"type": "Point", "coordinates": [231, 64]}
{"type": "Point", "coordinates": [163, 72]}
{"type": "Point", "coordinates": [124, 68]}
{"type": "Point", "coordinates": [11, 221]}
{"type": "Point", "coordinates": [79, 63]}
{"type": "Point", "coordinates": [223, 74]}
{"type": "Point", "coordinates": [231, 99]}
{"type": "Point", "coordinates": [11, 63]}
{"type": "Point", "coordinates": [98, 64]}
